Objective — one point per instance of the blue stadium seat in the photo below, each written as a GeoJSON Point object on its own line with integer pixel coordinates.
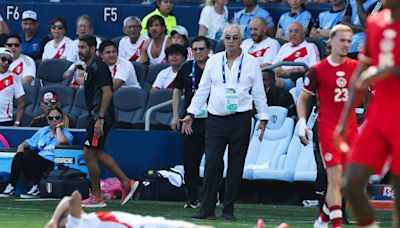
{"type": "Point", "coordinates": [320, 45]}
{"type": "Point", "coordinates": [152, 75]}
{"type": "Point", "coordinates": [66, 95]}
{"type": "Point", "coordinates": [116, 40]}
{"type": "Point", "coordinates": [295, 91]}
{"type": "Point", "coordinates": [79, 110]}
{"type": "Point", "coordinates": [163, 115]}
{"type": "Point", "coordinates": [141, 72]}
{"type": "Point", "coordinates": [31, 94]}
{"type": "Point", "coordinates": [129, 110]}
{"type": "Point", "coordinates": [51, 71]}
{"type": "Point", "coordinates": [220, 46]}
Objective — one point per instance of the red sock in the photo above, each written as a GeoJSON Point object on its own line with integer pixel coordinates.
{"type": "Point", "coordinates": [335, 216]}
{"type": "Point", "coordinates": [324, 215]}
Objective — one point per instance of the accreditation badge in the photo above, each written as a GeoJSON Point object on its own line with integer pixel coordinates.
{"type": "Point", "coordinates": [231, 100]}
{"type": "Point", "coordinates": [203, 112]}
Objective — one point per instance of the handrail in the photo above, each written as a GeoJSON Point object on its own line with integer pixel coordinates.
{"type": "Point", "coordinates": [150, 110]}
{"type": "Point", "coordinates": [285, 63]}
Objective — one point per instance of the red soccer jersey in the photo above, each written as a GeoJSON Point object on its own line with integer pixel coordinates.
{"type": "Point", "coordinates": [383, 48]}
{"type": "Point", "coordinates": [331, 83]}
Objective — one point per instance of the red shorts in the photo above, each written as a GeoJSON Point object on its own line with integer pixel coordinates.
{"type": "Point", "coordinates": [330, 156]}
{"type": "Point", "coordinates": [377, 143]}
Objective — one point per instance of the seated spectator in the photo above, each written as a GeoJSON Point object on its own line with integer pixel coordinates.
{"type": "Point", "coordinates": [32, 41]}
{"type": "Point", "coordinates": [76, 71]}
{"type": "Point", "coordinates": [246, 15]}
{"type": "Point", "coordinates": [260, 45]}
{"type": "Point", "coordinates": [164, 10]}
{"type": "Point", "coordinates": [296, 50]}
{"type": "Point", "coordinates": [154, 48]}
{"type": "Point", "coordinates": [297, 13]}
{"type": "Point", "coordinates": [22, 65]}
{"type": "Point", "coordinates": [277, 96]}
{"type": "Point", "coordinates": [122, 71]}
{"type": "Point", "coordinates": [3, 26]}
{"type": "Point", "coordinates": [36, 155]}
{"type": "Point", "coordinates": [213, 18]}
{"type": "Point", "coordinates": [327, 19]}
{"type": "Point", "coordinates": [84, 26]}
{"type": "Point", "coordinates": [50, 101]}
{"type": "Point", "coordinates": [11, 88]}
{"type": "Point", "coordinates": [57, 48]}
{"type": "Point", "coordinates": [176, 55]}
{"type": "Point", "coordinates": [131, 46]}
{"type": "Point", "coordinates": [179, 35]}
{"type": "Point", "coordinates": [69, 213]}
{"type": "Point", "coordinates": [355, 17]}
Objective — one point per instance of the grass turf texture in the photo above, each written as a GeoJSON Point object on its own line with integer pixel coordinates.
{"type": "Point", "coordinates": [35, 213]}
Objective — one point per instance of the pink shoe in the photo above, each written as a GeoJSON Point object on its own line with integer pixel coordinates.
{"type": "Point", "coordinates": [93, 201]}
{"type": "Point", "coordinates": [128, 191]}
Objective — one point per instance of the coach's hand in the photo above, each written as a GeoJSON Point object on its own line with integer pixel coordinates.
{"type": "Point", "coordinates": [98, 127]}
{"type": "Point", "coordinates": [303, 132]}
{"type": "Point", "coordinates": [261, 126]}
{"type": "Point", "coordinates": [340, 139]}
{"type": "Point", "coordinates": [187, 125]}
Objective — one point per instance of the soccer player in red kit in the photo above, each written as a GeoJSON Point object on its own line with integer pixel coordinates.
{"type": "Point", "coordinates": [329, 80]}
{"type": "Point", "coordinates": [379, 139]}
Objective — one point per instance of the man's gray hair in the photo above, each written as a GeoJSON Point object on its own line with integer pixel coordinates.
{"type": "Point", "coordinates": [132, 18]}
{"type": "Point", "coordinates": [234, 26]}
{"type": "Point", "coordinates": [84, 17]}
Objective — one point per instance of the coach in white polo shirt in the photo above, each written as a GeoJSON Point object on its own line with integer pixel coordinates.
{"type": "Point", "coordinates": [226, 83]}
{"type": "Point", "coordinates": [130, 46]}
{"type": "Point", "coordinates": [122, 71]}
{"type": "Point", "coordinates": [259, 44]}
{"type": "Point", "coordinates": [10, 87]}
{"type": "Point", "coordinates": [22, 65]}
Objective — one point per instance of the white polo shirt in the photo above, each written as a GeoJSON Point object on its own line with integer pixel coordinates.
{"type": "Point", "coordinates": [165, 79]}
{"type": "Point", "coordinates": [124, 70]}
{"type": "Point", "coordinates": [265, 51]}
{"type": "Point", "coordinates": [23, 66]}
{"type": "Point", "coordinates": [305, 52]}
{"type": "Point", "coordinates": [57, 52]}
{"type": "Point", "coordinates": [213, 88]}
{"type": "Point", "coordinates": [10, 87]}
{"type": "Point", "coordinates": [129, 51]}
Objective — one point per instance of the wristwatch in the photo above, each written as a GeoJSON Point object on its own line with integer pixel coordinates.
{"type": "Point", "coordinates": [17, 123]}
{"type": "Point", "coordinates": [100, 118]}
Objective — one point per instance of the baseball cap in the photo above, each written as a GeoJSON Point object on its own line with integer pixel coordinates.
{"type": "Point", "coordinates": [180, 30]}
{"type": "Point", "coordinates": [6, 51]}
{"type": "Point", "coordinates": [29, 14]}
{"type": "Point", "coordinates": [50, 96]}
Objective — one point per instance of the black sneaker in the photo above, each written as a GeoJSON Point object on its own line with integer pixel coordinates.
{"type": "Point", "coordinates": [191, 204]}
{"type": "Point", "coordinates": [32, 193]}
{"type": "Point", "coordinates": [8, 192]}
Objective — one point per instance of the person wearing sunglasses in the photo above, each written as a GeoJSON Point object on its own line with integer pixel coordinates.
{"type": "Point", "coordinates": [22, 65]}
{"type": "Point", "coordinates": [57, 47]}
{"type": "Point", "coordinates": [49, 101]}
{"type": "Point", "coordinates": [10, 88]}
{"type": "Point", "coordinates": [231, 82]}
{"type": "Point", "coordinates": [36, 155]}
{"type": "Point", "coordinates": [32, 41]}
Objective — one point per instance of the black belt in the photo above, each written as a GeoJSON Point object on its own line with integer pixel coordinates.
{"type": "Point", "coordinates": [231, 115]}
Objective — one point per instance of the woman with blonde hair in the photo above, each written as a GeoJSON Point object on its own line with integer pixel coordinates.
{"type": "Point", "coordinates": [213, 19]}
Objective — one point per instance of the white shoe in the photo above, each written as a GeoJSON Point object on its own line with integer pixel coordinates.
{"type": "Point", "coordinates": [318, 224]}
{"type": "Point", "coordinates": [9, 191]}
{"type": "Point", "coordinates": [32, 193]}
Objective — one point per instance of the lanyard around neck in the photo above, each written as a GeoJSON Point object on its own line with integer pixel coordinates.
{"type": "Point", "coordinates": [223, 69]}
{"type": "Point", "coordinates": [194, 76]}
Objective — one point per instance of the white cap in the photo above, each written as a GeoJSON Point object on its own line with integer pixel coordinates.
{"type": "Point", "coordinates": [29, 14]}
{"type": "Point", "coordinates": [180, 30]}
{"type": "Point", "coordinates": [6, 51]}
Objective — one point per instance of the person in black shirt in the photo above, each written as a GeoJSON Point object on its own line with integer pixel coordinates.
{"type": "Point", "coordinates": [277, 96]}
{"type": "Point", "coordinates": [188, 79]}
{"type": "Point", "coordinates": [98, 96]}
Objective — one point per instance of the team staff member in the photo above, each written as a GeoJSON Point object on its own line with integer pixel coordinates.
{"type": "Point", "coordinates": [228, 78]}
{"type": "Point", "coordinates": [188, 79]}
{"type": "Point", "coordinates": [330, 79]}
{"type": "Point", "coordinates": [98, 96]}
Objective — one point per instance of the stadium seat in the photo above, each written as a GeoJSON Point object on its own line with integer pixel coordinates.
{"type": "Point", "coordinates": [66, 95]}
{"type": "Point", "coordinates": [273, 149]}
{"type": "Point", "coordinates": [295, 92]}
{"type": "Point", "coordinates": [163, 115]}
{"type": "Point", "coordinates": [141, 71]}
{"type": "Point", "coordinates": [129, 110]}
{"type": "Point", "coordinates": [320, 45]}
{"type": "Point", "coordinates": [31, 93]}
{"type": "Point", "coordinates": [220, 46]}
{"type": "Point", "coordinates": [252, 155]}
{"type": "Point", "coordinates": [152, 75]}
{"type": "Point", "coordinates": [79, 109]}
{"type": "Point", "coordinates": [51, 71]}
{"type": "Point", "coordinates": [116, 40]}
